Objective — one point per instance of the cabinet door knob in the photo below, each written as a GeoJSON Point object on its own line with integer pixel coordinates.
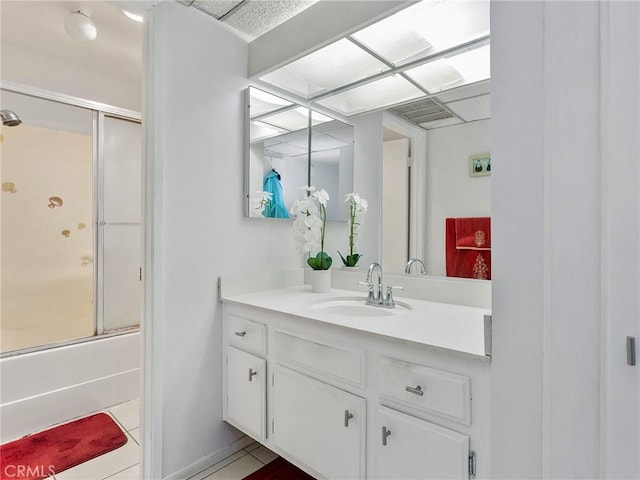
{"type": "Point", "coordinates": [385, 433]}
{"type": "Point", "coordinates": [251, 374]}
{"type": "Point", "coordinates": [347, 417]}
{"type": "Point", "coordinates": [241, 334]}
{"type": "Point", "coordinates": [417, 390]}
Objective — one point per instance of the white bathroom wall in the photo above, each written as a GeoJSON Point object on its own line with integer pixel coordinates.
{"type": "Point", "coordinates": [367, 182]}
{"type": "Point", "coordinates": [196, 232]}
{"type": "Point", "coordinates": [395, 223]}
{"type": "Point", "coordinates": [450, 190]}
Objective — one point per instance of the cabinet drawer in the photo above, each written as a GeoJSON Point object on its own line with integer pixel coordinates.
{"type": "Point", "coordinates": [435, 391]}
{"type": "Point", "coordinates": [319, 358]}
{"type": "Point", "coordinates": [247, 334]}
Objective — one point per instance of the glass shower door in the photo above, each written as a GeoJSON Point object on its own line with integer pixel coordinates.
{"type": "Point", "coordinates": [47, 239]}
{"type": "Point", "coordinates": [119, 225]}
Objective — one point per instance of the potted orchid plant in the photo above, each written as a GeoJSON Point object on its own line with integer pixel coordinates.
{"type": "Point", "coordinates": [357, 210]}
{"type": "Point", "coordinates": [310, 225]}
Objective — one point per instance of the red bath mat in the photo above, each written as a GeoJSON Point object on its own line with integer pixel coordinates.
{"type": "Point", "coordinates": [279, 469]}
{"type": "Point", "coordinates": [52, 451]}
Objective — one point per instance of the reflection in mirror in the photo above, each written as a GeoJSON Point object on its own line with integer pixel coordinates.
{"type": "Point", "coordinates": [331, 165]}
{"type": "Point", "coordinates": [279, 162]}
{"type": "Point", "coordinates": [278, 154]}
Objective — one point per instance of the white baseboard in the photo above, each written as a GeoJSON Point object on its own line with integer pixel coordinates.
{"type": "Point", "coordinates": [209, 460]}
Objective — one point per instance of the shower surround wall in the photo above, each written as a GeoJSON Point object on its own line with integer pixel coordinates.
{"type": "Point", "coordinates": [47, 245]}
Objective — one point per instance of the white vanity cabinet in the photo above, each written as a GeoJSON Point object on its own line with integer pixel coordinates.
{"type": "Point", "coordinates": [245, 376]}
{"type": "Point", "coordinates": [246, 392]}
{"type": "Point", "coordinates": [345, 404]}
{"type": "Point", "coordinates": [410, 448]}
{"type": "Point", "coordinates": [320, 425]}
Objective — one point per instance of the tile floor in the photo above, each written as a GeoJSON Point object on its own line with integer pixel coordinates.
{"type": "Point", "coordinates": [124, 463]}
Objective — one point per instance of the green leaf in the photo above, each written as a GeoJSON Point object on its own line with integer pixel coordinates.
{"type": "Point", "coordinates": [321, 261]}
{"type": "Point", "coordinates": [351, 260]}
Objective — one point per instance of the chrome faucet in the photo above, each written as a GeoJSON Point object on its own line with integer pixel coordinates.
{"type": "Point", "coordinates": [376, 296]}
{"type": "Point", "coordinates": [407, 268]}
{"type": "Point", "coordinates": [375, 290]}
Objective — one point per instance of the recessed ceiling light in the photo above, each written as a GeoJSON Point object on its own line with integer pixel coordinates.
{"type": "Point", "coordinates": [133, 16]}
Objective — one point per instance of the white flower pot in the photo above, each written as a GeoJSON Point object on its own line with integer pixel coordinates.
{"type": "Point", "coordinates": [320, 281]}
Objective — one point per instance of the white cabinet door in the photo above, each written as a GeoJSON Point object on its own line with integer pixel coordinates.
{"type": "Point", "coordinates": [406, 448]}
{"type": "Point", "coordinates": [246, 392]}
{"type": "Point", "coordinates": [320, 425]}
{"type": "Point", "coordinates": [621, 282]}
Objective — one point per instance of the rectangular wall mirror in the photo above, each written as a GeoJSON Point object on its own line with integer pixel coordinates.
{"type": "Point", "coordinates": [288, 147]}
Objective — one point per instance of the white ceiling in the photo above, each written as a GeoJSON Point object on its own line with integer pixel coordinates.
{"type": "Point", "coordinates": [39, 26]}
{"type": "Point", "coordinates": [117, 50]}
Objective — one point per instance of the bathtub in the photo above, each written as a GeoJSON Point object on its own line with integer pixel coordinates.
{"type": "Point", "coordinates": [40, 389]}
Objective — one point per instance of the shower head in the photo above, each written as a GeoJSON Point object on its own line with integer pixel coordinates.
{"type": "Point", "coordinates": [9, 118]}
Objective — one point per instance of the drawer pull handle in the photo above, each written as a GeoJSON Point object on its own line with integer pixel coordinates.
{"type": "Point", "coordinates": [385, 433]}
{"type": "Point", "coordinates": [347, 416]}
{"type": "Point", "coordinates": [251, 374]}
{"type": "Point", "coordinates": [241, 334]}
{"type": "Point", "coordinates": [415, 390]}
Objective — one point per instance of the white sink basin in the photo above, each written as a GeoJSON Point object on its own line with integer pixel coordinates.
{"type": "Point", "coordinates": [356, 307]}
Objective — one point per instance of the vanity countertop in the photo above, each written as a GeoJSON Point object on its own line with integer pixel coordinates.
{"type": "Point", "coordinates": [446, 326]}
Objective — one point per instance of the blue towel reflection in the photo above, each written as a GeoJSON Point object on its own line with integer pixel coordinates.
{"type": "Point", "coordinates": [275, 208]}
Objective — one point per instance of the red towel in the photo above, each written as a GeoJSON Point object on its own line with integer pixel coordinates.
{"type": "Point", "coordinates": [473, 233]}
{"type": "Point", "coordinates": [468, 253]}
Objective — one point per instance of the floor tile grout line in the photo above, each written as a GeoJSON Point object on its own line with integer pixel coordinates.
{"type": "Point", "coordinates": [120, 471]}
{"type": "Point", "coordinates": [257, 458]}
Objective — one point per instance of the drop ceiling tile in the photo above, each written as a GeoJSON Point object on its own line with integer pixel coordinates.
{"type": "Point", "coordinates": [258, 17]}
{"type": "Point", "coordinates": [473, 90]}
{"type": "Point", "coordinates": [386, 91]}
{"type": "Point", "coordinates": [216, 8]}
{"type": "Point", "coordinates": [445, 122]}
{"type": "Point", "coordinates": [476, 108]}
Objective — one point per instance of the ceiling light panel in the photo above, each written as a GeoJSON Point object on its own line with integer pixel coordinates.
{"type": "Point", "coordinates": [292, 119]}
{"type": "Point", "coordinates": [453, 71]}
{"type": "Point", "coordinates": [333, 66]}
{"type": "Point", "coordinates": [262, 102]}
{"type": "Point", "coordinates": [476, 108]}
{"type": "Point", "coordinates": [322, 141]}
{"type": "Point", "coordinates": [426, 28]}
{"type": "Point", "coordinates": [380, 93]}
{"type": "Point", "coordinates": [260, 131]}
{"type": "Point", "coordinates": [467, 91]}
